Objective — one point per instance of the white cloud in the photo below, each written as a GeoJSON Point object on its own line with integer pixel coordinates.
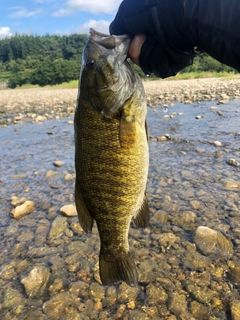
{"type": "Point", "coordinates": [21, 12]}
{"type": "Point", "coordinates": [99, 25]}
{"type": "Point", "coordinates": [5, 32]}
{"type": "Point", "coordinates": [92, 6]}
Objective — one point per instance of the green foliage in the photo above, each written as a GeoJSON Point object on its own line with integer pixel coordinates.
{"type": "Point", "coordinates": [55, 59]}
{"type": "Point", "coordinates": [42, 60]}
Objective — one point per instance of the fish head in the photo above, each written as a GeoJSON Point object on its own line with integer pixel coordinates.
{"type": "Point", "coordinates": [105, 73]}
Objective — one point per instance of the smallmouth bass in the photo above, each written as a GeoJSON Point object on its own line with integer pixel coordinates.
{"type": "Point", "coordinates": [111, 152]}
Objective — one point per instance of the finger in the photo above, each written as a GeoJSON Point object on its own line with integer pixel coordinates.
{"type": "Point", "coordinates": [135, 48]}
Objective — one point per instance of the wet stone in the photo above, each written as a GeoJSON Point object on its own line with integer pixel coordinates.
{"type": "Point", "coordinates": [36, 282]}
{"type": "Point", "coordinates": [22, 210]}
{"type": "Point", "coordinates": [58, 227]}
{"type": "Point", "coordinates": [16, 201]}
{"type": "Point", "coordinates": [235, 309]}
{"type": "Point", "coordinates": [199, 293]}
{"type": "Point", "coordinates": [177, 303]}
{"type": "Point", "coordinates": [233, 162]}
{"type": "Point", "coordinates": [126, 293]}
{"type": "Point", "coordinates": [12, 298]}
{"type": "Point", "coordinates": [210, 241]}
{"type": "Point", "coordinates": [96, 292]}
{"type": "Point", "coordinates": [69, 210]}
{"type": "Point", "coordinates": [59, 306]}
{"type": "Point", "coordinates": [155, 295]}
{"type": "Point", "coordinates": [58, 163]}
{"type": "Point", "coordinates": [80, 289]}
{"type": "Point", "coordinates": [234, 275]}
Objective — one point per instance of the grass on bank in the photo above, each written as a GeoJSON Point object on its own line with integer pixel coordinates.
{"type": "Point", "coordinates": [180, 76]}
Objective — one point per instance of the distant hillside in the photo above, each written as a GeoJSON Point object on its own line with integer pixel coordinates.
{"type": "Point", "coordinates": [43, 60]}
{"type": "Point", "coordinates": [53, 59]}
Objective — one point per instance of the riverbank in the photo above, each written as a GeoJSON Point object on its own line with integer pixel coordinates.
{"type": "Point", "coordinates": [62, 101]}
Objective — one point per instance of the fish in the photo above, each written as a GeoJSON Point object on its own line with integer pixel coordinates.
{"type": "Point", "coordinates": [111, 152]}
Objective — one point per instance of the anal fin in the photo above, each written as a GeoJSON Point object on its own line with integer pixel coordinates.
{"type": "Point", "coordinates": [85, 219]}
{"type": "Point", "coordinates": [142, 218]}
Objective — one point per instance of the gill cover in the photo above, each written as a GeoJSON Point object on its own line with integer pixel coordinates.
{"type": "Point", "coordinates": [105, 74]}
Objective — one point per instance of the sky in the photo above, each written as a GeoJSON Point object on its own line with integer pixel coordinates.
{"type": "Point", "coordinates": [39, 17]}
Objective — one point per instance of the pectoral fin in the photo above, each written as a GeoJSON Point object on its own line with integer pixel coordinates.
{"type": "Point", "coordinates": [142, 218]}
{"type": "Point", "coordinates": [85, 219]}
{"type": "Point", "coordinates": [127, 132]}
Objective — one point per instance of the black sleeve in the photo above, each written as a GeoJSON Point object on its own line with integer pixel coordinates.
{"type": "Point", "coordinates": [214, 26]}
{"type": "Point", "coordinates": [166, 50]}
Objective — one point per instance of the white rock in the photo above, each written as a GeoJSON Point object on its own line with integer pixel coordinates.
{"type": "Point", "coordinates": [58, 163]}
{"type": "Point", "coordinates": [210, 241]}
{"type": "Point", "coordinates": [22, 210]}
{"type": "Point", "coordinates": [69, 210]}
{"type": "Point", "coordinates": [217, 144]}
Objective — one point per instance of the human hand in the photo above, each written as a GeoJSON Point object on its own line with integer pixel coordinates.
{"type": "Point", "coordinates": [135, 48]}
{"type": "Point", "coordinates": [159, 43]}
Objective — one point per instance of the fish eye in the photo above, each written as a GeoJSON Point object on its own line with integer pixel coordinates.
{"type": "Point", "coordinates": [90, 64]}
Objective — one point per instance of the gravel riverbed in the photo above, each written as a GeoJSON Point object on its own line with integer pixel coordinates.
{"type": "Point", "coordinates": [188, 259]}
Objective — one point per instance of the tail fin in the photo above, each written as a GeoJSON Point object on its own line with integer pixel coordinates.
{"type": "Point", "coordinates": [117, 268]}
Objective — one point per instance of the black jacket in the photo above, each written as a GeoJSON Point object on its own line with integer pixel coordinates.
{"type": "Point", "coordinates": [175, 29]}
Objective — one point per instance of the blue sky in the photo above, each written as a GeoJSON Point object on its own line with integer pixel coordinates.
{"type": "Point", "coordinates": [55, 16]}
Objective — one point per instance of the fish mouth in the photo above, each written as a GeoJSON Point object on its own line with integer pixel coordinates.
{"type": "Point", "coordinates": [106, 40]}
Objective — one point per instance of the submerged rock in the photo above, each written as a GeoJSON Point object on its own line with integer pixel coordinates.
{"type": "Point", "coordinates": [69, 210]}
{"type": "Point", "coordinates": [22, 210]}
{"type": "Point", "coordinates": [36, 282]}
{"type": "Point", "coordinates": [235, 309]}
{"type": "Point", "coordinates": [210, 241]}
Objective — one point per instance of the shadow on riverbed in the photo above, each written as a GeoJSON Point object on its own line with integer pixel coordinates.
{"type": "Point", "coordinates": [185, 271]}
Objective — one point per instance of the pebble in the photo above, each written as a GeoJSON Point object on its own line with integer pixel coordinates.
{"type": "Point", "coordinates": [235, 309]}
{"type": "Point", "coordinates": [210, 241]}
{"type": "Point", "coordinates": [233, 162]}
{"type": "Point", "coordinates": [58, 163]}
{"type": "Point", "coordinates": [69, 210]}
{"type": "Point", "coordinates": [36, 282]}
{"type": "Point", "coordinates": [23, 209]}
{"type": "Point", "coordinates": [59, 225]}
{"type": "Point", "coordinates": [217, 144]}
{"type": "Point", "coordinates": [50, 174]}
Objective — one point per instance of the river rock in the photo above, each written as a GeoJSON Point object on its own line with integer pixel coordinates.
{"type": "Point", "coordinates": [217, 144]}
{"type": "Point", "coordinates": [59, 225]}
{"type": "Point", "coordinates": [177, 303]}
{"type": "Point", "coordinates": [155, 295]}
{"type": "Point", "coordinates": [234, 275]}
{"type": "Point", "coordinates": [69, 176]}
{"type": "Point", "coordinates": [69, 210]}
{"type": "Point", "coordinates": [58, 163]}
{"type": "Point", "coordinates": [22, 210]}
{"type": "Point", "coordinates": [16, 201]}
{"type": "Point", "coordinates": [235, 309]}
{"type": "Point", "coordinates": [233, 162]}
{"type": "Point", "coordinates": [50, 174]}
{"type": "Point", "coordinates": [57, 306]}
{"type": "Point", "coordinates": [13, 299]}
{"type": "Point", "coordinates": [126, 293]}
{"type": "Point", "coordinates": [230, 183]}
{"type": "Point", "coordinates": [96, 292]}
{"type": "Point", "coordinates": [36, 282]}
{"type": "Point", "coordinates": [210, 241]}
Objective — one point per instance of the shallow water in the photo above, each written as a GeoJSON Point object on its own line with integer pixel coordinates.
{"type": "Point", "coordinates": [183, 169]}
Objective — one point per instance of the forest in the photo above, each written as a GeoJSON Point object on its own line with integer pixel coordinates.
{"type": "Point", "coordinates": [54, 59]}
